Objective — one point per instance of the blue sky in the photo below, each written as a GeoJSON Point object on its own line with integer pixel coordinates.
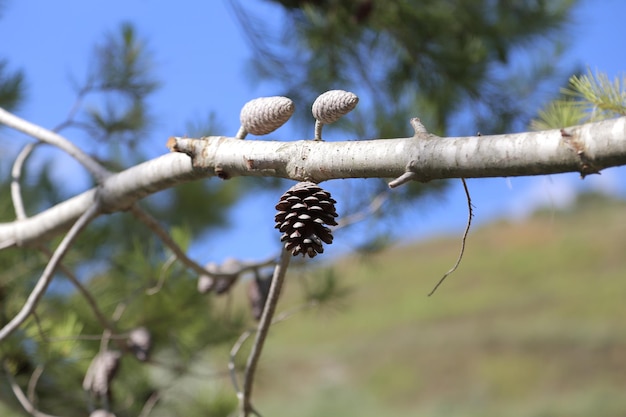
{"type": "Point", "coordinates": [202, 54]}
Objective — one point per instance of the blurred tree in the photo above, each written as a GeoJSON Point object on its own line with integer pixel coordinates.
{"type": "Point", "coordinates": [119, 259]}
{"type": "Point", "coordinates": [462, 66]}
{"type": "Point", "coordinates": [436, 60]}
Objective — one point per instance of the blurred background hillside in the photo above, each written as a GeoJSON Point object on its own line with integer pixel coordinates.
{"type": "Point", "coordinates": [531, 325]}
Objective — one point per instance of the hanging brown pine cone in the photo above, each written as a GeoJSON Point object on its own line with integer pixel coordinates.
{"type": "Point", "coordinates": [303, 212]}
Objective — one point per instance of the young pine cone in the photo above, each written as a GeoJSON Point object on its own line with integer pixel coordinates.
{"type": "Point", "coordinates": [303, 212]}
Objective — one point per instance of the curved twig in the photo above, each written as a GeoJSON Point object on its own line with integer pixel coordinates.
{"type": "Point", "coordinates": [156, 288]}
{"type": "Point", "coordinates": [153, 224]}
{"type": "Point", "coordinates": [234, 351]}
{"type": "Point", "coordinates": [52, 138]}
{"type": "Point", "coordinates": [32, 383]}
{"type": "Point", "coordinates": [375, 205]}
{"type": "Point", "coordinates": [16, 174]}
{"type": "Point", "coordinates": [470, 214]}
{"type": "Point", "coordinates": [152, 400]}
{"type": "Point", "coordinates": [104, 322]}
{"type": "Point", "coordinates": [48, 273]}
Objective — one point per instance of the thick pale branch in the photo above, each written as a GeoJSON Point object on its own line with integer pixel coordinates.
{"type": "Point", "coordinates": [586, 149]}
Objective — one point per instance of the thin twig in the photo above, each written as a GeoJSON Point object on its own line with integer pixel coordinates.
{"type": "Point", "coordinates": [162, 275]}
{"type": "Point", "coordinates": [32, 383]}
{"type": "Point", "coordinates": [16, 174]}
{"type": "Point", "coordinates": [234, 351]}
{"type": "Point", "coordinates": [147, 219]}
{"type": "Point", "coordinates": [48, 273]}
{"type": "Point", "coordinates": [52, 138]}
{"type": "Point", "coordinates": [21, 397]}
{"type": "Point", "coordinates": [264, 325]}
{"type": "Point", "coordinates": [91, 301]}
{"type": "Point", "coordinates": [360, 215]}
{"type": "Point", "coordinates": [470, 214]}
{"type": "Point", "coordinates": [153, 224]}
{"type": "Point", "coordinates": [152, 400]}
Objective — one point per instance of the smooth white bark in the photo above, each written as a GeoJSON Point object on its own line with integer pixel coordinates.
{"type": "Point", "coordinates": [586, 149]}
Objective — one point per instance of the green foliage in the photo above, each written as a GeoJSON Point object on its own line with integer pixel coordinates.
{"type": "Point", "coordinates": [410, 57]}
{"type": "Point", "coordinates": [605, 98]}
{"type": "Point", "coordinates": [325, 288]}
{"type": "Point", "coordinates": [588, 98]}
{"type": "Point", "coordinates": [12, 87]}
{"type": "Point", "coordinates": [123, 72]}
{"type": "Point", "coordinates": [117, 258]}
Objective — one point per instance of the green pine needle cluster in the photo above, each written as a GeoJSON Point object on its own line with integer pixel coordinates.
{"type": "Point", "coordinates": [588, 98]}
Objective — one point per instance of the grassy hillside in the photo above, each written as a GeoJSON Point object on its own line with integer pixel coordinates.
{"type": "Point", "coordinates": [532, 324]}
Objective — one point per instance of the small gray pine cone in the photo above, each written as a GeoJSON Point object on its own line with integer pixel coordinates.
{"type": "Point", "coordinates": [221, 285]}
{"type": "Point", "coordinates": [330, 106]}
{"type": "Point", "coordinates": [266, 114]}
{"type": "Point", "coordinates": [258, 290]}
{"type": "Point", "coordinates": [101, 371]}
{"type": "Point", "coordinates": [140, 341]}
{"type": "Point", "coordinates": [303, 212]}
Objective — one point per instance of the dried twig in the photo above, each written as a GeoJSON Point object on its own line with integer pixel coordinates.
{"type": "Point", "coordinates": [373, 207]}
{"type": "Point", "coordinates": [91, 301]}
{"type": "Point", "coordinates": [152, 400]}
{"type": "Point", "coordinates": [470, 214]}
{"type": "Point", "coordinates": [234, 351]}
{"type": "Point", "coordinates": [162, 275]}
{"type": "Point", "coordinates": [16, 174]}
{"type": "Point", "coordinates": [165, 237]}
{"type": "Point", "coordinates": [48, 273]}
{"type": "Point", "coordinates": [264, 325]}
{"type": "Point", "coordinates": [32, 383]}
{"type": "Point", "coordinates": [153, 224]}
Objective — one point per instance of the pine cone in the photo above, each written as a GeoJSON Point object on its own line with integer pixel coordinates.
{"type": "Point", "coordinates": [140, 341]}
{"type": "Point", "coordinates": [266, 114]}
{"type": "Point", "coordinates": [332, 105]}
{"type": "Point", "coordinates": [303, 212]}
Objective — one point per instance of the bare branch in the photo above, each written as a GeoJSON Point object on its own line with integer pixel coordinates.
{"type": "Point", "coordinates": [16, 174]}
{"type": "Point", "coordinates": [52, 138]}
{"type": "Point", "coordinates": [32, 383]}
{"type": "Point", "coordinates": [264, 325]}
{"type": "Point", "coordinates": [91, 301]}
{"type": "Point", "coordinates": [586, 148]}
{"type": "Point", "coordinates": [153, 224]}
{"type": "Point", "coordinates": [48, 273]}
{"type": "Point", "coordinates": [245, 335]}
